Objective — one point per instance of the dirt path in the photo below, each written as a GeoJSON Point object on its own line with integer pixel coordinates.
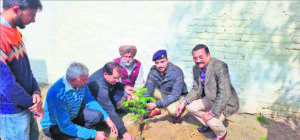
{"type": "Point", "coordinates": [240, 127]}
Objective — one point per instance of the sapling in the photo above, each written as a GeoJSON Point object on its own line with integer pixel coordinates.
{"type": "Point", "coordinates": [138, 106]}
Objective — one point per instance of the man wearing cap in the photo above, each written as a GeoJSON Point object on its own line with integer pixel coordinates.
{"type": "Point", "coordinates": [168, 79]}
{"type": "Point", "coordinates": [132, 72]}
{"type": "Point", "coordinates": [212, 97]}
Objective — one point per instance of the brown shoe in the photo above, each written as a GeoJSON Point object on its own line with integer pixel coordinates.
{"type": "Point", "coordinates": [154, 112]}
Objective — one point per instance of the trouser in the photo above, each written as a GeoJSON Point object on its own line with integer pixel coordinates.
{"type": "Point", "coordinates": [171, 108]}
{"type": "Point", "coordinates": [19, 126]}
{"type": "Point", "coordinates": [86, 117]}
{"type": "Point", "coordinates": [198, 107]}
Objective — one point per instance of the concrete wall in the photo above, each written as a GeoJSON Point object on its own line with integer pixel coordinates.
{"type": "Point", "coordinates": [260, 42]}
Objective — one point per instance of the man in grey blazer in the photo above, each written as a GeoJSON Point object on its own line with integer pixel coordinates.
{"type": "Point", "coordinates": [212, 97]}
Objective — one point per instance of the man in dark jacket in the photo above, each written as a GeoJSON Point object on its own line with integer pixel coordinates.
{"type": "Point", "coordinates": [168, 80]}
{"type": "Point", "coordinates": [104, 84]}
{"type": "Point", "coordinates": [212, 97]}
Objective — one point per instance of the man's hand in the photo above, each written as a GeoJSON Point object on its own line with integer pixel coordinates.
{"type": "Point", "coordinates": [39, 114]}
{"type": "Point", "coordinates": [127, 136]}
{"type": "Point", "coordinates": [151, 106]}
{"type": "Point", "coordinates": [38, 111]}
{"type": "Point", "coordinates": [179, 109]}
{"type": "Point", "coordinates": [129, 96]}
{"type": "Point", "coordinates": [36, 97]}
{"type": "Point", "coordinates": [128, 89]}
{"type": "Point", "coordinates": [37, 108]}
{"type": "Point", "coordinates": [207, 116]}
{"type": "Point", "coordinates": [112, 126]}
{"type": "Point", "coordinates": [101, 136]}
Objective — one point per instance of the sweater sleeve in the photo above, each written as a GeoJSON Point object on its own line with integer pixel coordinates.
{"type": "Point", "coordinates": [11, 89]}
{"type": "Point", "coordinates": [35, 85]}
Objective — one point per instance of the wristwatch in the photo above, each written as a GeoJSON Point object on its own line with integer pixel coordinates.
{"type": "Point", "coordinates": [210, 112]}
{"type": "Point", "coordinates": [185, 102]}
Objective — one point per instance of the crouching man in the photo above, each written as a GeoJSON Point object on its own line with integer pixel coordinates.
{"type": "Point", "coordinates": [71, 111]}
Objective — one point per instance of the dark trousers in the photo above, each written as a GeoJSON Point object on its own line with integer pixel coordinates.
{"type": "Point", "coordinates": [86, 117]}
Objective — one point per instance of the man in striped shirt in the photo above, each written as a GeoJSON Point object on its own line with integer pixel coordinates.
{"type": "Point", "coordinates": [71, 111]}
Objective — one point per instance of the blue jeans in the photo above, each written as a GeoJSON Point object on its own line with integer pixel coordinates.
{"type": "Point", "coordinates": [19, 126]}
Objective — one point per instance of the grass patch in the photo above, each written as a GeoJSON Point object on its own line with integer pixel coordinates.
{"type": "Point", "coordinates": [261, 118]}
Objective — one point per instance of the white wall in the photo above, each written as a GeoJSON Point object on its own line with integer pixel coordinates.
{"type": "Point", "coordinates": [260, 42]}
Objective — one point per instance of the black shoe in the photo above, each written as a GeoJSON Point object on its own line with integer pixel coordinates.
{"type": "Point", "coordinates": [204, 129]}
{"type": "Point", "coordinates": [176, 119]}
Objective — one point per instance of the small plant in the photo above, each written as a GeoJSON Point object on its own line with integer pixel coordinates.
{"type": "Point", "coordinates": [262, 138]}
{"type": "Point", "coordinates": [261, 118]}
{"type": "Point", "coordinates": [111, 137]}
{"type": "Point", "coordinates": [138, 106]}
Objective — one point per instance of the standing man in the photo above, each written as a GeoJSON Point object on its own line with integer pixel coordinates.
{"type": "Point", "coordinates": [132, 71]}
{"type": "Point", "coordinates": [212, 97]}
{"type": "Point", "coordinates": [169, 80]}
{"type": "Point", "coordinates": [71, 111]}
{"type": "Point", "coordinates": [104, 84]}
{"type": "Point", "coordinates": [20, 96]}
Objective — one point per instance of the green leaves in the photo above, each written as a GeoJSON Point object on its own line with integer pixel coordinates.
{"type": "Point", "coordinates": [262, 138]}
{"type": "Point", "coordinates": [138, 105]}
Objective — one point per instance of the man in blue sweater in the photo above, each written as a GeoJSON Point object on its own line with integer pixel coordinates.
{"type": "Point", "coordinates": [20, 97]}
{"type": "Point", "coordinates": [71, 111]}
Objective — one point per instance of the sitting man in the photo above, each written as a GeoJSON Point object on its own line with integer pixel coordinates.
{"type": "Point", "coordinates": [132, 72]}
{"type": "Point", "coordinates": [212, 97]}
{"type": "Point", "coordinates": [169, 80]}
{"type": "Point", "coordinates": [104, 84]}
{"type": "Point", "coordinates": [70, 109]}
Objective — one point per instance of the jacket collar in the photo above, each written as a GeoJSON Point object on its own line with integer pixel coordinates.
{"type": "Point", "coordinates": [209, 69]}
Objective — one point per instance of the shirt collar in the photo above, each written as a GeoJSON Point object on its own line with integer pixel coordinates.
{"type": "Point", "coordinates": [204, 70]}
{"type": "Point", "coordinates": [68, 87]}
{"type": "Point", "coordinates": [4, 22]}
